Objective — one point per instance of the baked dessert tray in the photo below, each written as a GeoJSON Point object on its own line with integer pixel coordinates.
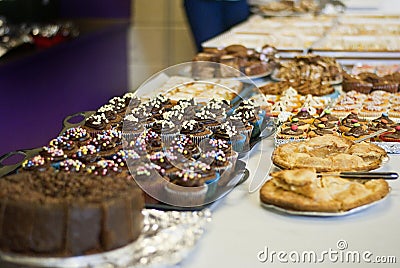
{"type": "Point", "coordinates": [167, 237]}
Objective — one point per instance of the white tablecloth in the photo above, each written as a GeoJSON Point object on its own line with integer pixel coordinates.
{"type": "Point", "coordinates": [241, 228]}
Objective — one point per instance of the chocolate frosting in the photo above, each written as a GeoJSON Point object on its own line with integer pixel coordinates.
{"type": "Point", "coordinates": [330, 117]}
{"type": "Point", "coordinates": [383, 116]}
{"type": "Point", "coordinates": [192, 127]}
{"type": "Point", "coordinates": [321, 131]}
{"type": "Point", "coordinates": [206, 121]}
{"type": "Point", "coordinates": [62, 143]}
{"type": "Point", "coordinates": [221, 134]}
{"type": "Point", "coordinates": [98, 122]}
{"type": "Point", "coordinates": [393, 135]}
{"type": "Point", "coordinates": [238, 123]}
{"type": "Point", "coordinates": [290, 131]}
{"type": "Point", "coordinates": [163, 128]}
{"type": "Point", "coordinates": [76, 134]}
{"type": "Point", "coordinates": [356, 132]}
{"type": "Point", "coordinates": [303, 114]}
{"type": "Point", "coordinates": [326, 125]}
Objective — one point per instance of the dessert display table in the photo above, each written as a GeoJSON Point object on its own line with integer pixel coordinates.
{"type": "Point", "coordinates": [241, 228]}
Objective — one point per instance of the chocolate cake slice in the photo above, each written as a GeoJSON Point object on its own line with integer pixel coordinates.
{"type": "Point", "coordinates": [68, 214]}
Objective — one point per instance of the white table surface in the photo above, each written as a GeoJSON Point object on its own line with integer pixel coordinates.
{"type": "Point", "coordinates": [241, 228]}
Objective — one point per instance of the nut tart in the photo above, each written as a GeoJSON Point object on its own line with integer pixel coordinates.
{"type": "Point", "coordinates": [329, 153]}
{"type": "Point", "coordinates": [303, 190]}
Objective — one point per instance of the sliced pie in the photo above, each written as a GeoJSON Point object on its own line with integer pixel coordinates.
{"type": "Point", "coordinates": [303, 190]}
{"type": "Point", "coordinates": [329, 153]}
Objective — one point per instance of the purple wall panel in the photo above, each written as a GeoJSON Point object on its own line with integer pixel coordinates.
{"type": "Point", "coordinates": [38, 91]}
{"type": "Point", "coordinates": [95, 8]}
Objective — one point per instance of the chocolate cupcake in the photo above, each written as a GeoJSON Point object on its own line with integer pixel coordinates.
{"type": "Point", "coordinates": [241, 125]}
{"type": "Point", "coordinates": [52, 154]}
{"type": "Point", "coordinates": [119, 104]}
{"type": "Point", "coordinates": [230, 135]}
{"type": "Point", "coordinates": [186, 109]}
{"type": "Point", "coordinates": [195, 131]}
{"type": "Point", "coordinates": [143, 116]}
{"type": "Point", "coordinates": [217, 144]}
{"type": "Point", "coordinates": [127, 159]}
{"type": "Point", "coordinates": [78, 135]}
{"type": "Point", "coordinates": [131, 100]}
{"type": "Point", "coordinates": [105, 145]}
{"type": "Point", "coordinates": [175, 116]}
{"type": "Point", "coordinates": [208, 119]}
{"type": "Point", "coordinates": [132, 127]}
{"type": "Point", "coordinates": [217, 161]}
{"type": "Point", "coordinates": [153, 142]}
{"type": "Point", "coordinates": [37, 163]}
{"type": "Point", "coordinates": [166, 163]}
{"type": "Point", "coordinates": [185, 146]}
{"type": "Point", "coordinates": [71, 165]}
{"type": "Point", "coordinates": [106, 168]}
{"type": "Point", "coordinates": [86, 154]}
{"type": "Point", "coordinates": [96, 123]}
{"type": "Point", "coordinates": [109, 112]}
{"type": "Point", "coordinates": [61, 142]}
{"type": "Point", "coordinates": [217, 107]}
{"type": "Point", "coordinates": [249, 115]}
{"type": "Point", "coordinates": [166, 129]}
{"type": "Point", "coordinates": [147, 177]}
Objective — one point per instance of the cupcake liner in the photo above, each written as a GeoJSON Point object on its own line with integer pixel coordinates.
{"type": "Point", "coordinates": [233, 158]}
{"type": "Point", "coordinates": [189, 196]}
{"type": "Point", "coordinates": [256, 127]}
{"type": "Point", "coordinates": [247, 133]}
{"type": "Point", "coordinates": [93, 132]}
{"type": "Point", "coordinates": [212, 186]}
{"type": "Point", "coordinates": [198, 138]}
{"type": "Point", "coordinates": [238, 143]}
{"type": "Point", "coordinates": [222, 170]}
{"type": "Point", "coordinates": [167, 138]}
{"type": "Point", "coordinates": [213, 128]}
{"type": "Point", "coordinates": [130, 136]}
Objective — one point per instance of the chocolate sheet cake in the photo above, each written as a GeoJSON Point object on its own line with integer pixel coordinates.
{"type": "Point", "coordinates": [67, 214]}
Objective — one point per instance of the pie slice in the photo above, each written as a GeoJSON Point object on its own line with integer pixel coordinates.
{"type": "Point", "coordinates": [303, 190]}
{"type": "Point", "coordinates": [329, 153]}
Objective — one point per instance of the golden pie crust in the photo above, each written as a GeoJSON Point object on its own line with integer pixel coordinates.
{"type": "Point", "coordinates": [303, 190]}
{"type": "Point", "coordinates": [329, 153]}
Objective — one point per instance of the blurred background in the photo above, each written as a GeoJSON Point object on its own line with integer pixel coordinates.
{"type": "Point", "coordinates": [59, 57]}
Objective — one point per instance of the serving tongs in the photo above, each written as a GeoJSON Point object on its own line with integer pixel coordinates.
{"type": "Point", "coordinates": [365, 175]}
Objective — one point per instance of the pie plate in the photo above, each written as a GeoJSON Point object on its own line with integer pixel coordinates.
{"type": "Point", "coordinates": [320, 213]}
